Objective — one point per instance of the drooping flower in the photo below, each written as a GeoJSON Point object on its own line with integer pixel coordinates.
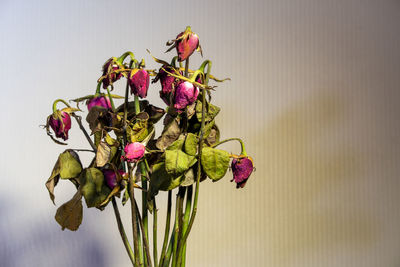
{"type": "Point", "coordinates": [186, 43]}
{"type": "Point", "coordinates": [139, 80]}
{"type": "Point", "coordinates": [185, 94]}
{"type": "Point", "coordinates": [133, 152]}
{"type": "Point", "coordinates": [101, 101]}
{"type": "Point", "coordinates": [60, 122]}
{"type": "Point", "coordinates": [108, 69]}
{"type": "Point", "coordinates": [242, 168]}
{"type": "Point", "coordinates": [168, 83]}
{"type": "Point", "coordinates": [111, 177]}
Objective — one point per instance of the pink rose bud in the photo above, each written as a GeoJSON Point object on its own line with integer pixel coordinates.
{"type": "Point", "coordinates": [108, 67]}
{"type": "Point", "coordinates": [185, 95]}
{"type": "Point", "coordinates": [111, 177]}
{"type": "Point", "coordinates": [100, 101]}
{"type": "Point", "coordinates": [139, 81]}
{"type": "Point", "coordinates": [241, 168]}
{"type": "Point", "coordinates": [61, 125]}
{"type": "Point", "coordinates": [186, 43]}
{"type": "Point", "coordinates": [133, 152]}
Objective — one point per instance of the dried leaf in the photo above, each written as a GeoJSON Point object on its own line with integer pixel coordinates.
{"type": "Point", "coordinates": [103, 154]}
{"type": "Point", "coordinates": [191, 144]}
{"type": "Point", "coordinates": [170, 134]}
{"type": "Point", "coordinates": [69, 215]}
{"type": "Point", "coordinates": [93, 187]}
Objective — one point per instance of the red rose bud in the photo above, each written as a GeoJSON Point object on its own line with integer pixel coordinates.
{"type": "Point", "coordinates": [134, 152]}
{"type": "Point", "coordinates": [139, 81]}
{"type": "Point", "coordinates": [241, 168]}
{"type": "Point", "coordinates": [108, 67]}
{"type": "Point", "coordinates": [186, 43]}
{"type": "Point", "coordinates": [60, 124]}
{"type": "Point", "coordinates": [100, 101]}
{"type": "Point", "coordinates": [111, 177]}
{"type": "Point", "coordinates": [185, 95]}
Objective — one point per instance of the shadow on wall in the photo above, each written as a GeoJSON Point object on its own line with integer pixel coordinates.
{"type": "Point", "coordinates": [41, 243]}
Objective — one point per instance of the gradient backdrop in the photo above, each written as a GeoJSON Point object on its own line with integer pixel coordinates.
{"type": "Point", "coordinates": [314, 95]}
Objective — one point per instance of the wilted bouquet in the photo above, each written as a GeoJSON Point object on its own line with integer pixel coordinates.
{"type": "Point", "coordinates": [129, 160]}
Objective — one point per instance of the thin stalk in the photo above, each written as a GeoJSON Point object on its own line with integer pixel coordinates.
{"type": "Point", "coordinates": [145, 240]}
{"type": "Point", "coordinates": [176, 231]}
{"type": "Point", "coordinates": [167, 227]}
{"type": "Point", "coordinates": [233, 139]}
{"type": "Point", "coordinates": [182, 252]}
{"type": "Point", "coordinates": [155, 256]}
{"type": "Point", "coordinates": [79, 121]}
{"type": "Point", "coordinates": [169, 251]}
{"type": "Point", "coordinates": [122, 231]}
{"type": "Point", "coordinates": [134, 218]}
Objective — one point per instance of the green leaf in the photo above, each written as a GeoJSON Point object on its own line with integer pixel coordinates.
{"type": "Point", "coordinates": [191, 144]}
{"type": "Point", "coordinates": [188, 178]}
{"type": "Point", "coordinates": [177, 162]}
{"type": "Point", "coordinates": [161, 180]}
{"type": "Point", "coordinates": [69, 215]}
{"type": "Point", "coordinates": [70, 165]}
{"type": "Point", "coordinates": [215, 162]}
{"type": "Point", "coordinates": [211, 111]}
{"type": "Point", "coordinates": [178, 144]}
{"type": "Point", "coordinates": [94, 189]}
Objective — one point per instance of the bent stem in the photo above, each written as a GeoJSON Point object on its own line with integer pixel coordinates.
{"type": "Point", "coordinates": [122, 232]}
{"type": "Point", "coordinates": [243, 152]}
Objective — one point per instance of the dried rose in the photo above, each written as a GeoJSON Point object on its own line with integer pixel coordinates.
{"type": "Point", "coordinates": [111, 177]}
{"type": "Point", "coordinates": [133, 152]}
{"type": "Point", "coordinates": [185, 95]}
{"type": "Point", "coordinates": [186, 43]}
{"type": "Point", "coordinates": [100, 101]}
{"type": "Point", "coordinates": [108, 68]}
{"type": "Point", "coordinates": [139, 80]}
{"type": "Point", "coordinates": [241, 168]}
{"type": "Point", "coordinates": [60, 122]}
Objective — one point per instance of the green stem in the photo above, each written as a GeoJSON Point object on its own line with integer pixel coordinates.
{"type": "Point", "coordinates": [122, 231]}
{"type": "Point", "coordinates": [111, 99]}
{"type": "Point", "coordinates": [182, 252]}
{"type": "Point", "coordinates": [146, 249]}
{"type": "Point", "coordinates": [170, 248]}
{"type": "Point", "coordinates": [176, 231]}
{"type": "Point", "coordinates": [167, 227]}
{"type": "Point", "coordinates": [98, 88]}
{"type": "Point", "coordinates": [124, 55]}
{"type": "Point", "coordinates": [233, 139]}
{"type": "Point", "coordinates": [155, 256]}
{"type": "Point", "coordinates": [134, 218]}
{"type": "Point", "coordinates": [56, 102]}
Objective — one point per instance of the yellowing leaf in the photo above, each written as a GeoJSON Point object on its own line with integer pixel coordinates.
{"type": "Point", "coordinates": [69, 215]}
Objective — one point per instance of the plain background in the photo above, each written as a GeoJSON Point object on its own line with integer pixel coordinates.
{"type": "Point", "coordinates": [314, 94]}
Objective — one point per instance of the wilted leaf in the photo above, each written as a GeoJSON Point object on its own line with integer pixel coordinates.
{"type": "Point", "coordinates": [155, 113]}
{"type": "Point", "coordinates": [191, 144]}
{"type": "Point", "coordinates": [93, 118]}
{"type": "Point", "coordinates": [177, 162]}
{"type": "Point", "coordinates": [211, 111]}
{"type": "Point", "coordinates": [53, 180]}
{"type": "Point", "coordinates": [213, 136]}
{"type": "Point", "coordinates": [69, 215]}
{"type": "Point", "coordinates": [161, 180]}
{"type": "Point", "coordinates": [94, 189]}
{"type": "Point", "coordinates": [170, 134]}
{"type": "Point", "coordinates": [215, 162]}
{"type": "Point", "coordinates": [70, 166]}
{"type": "Point", "coordinates": [188, 178]}
{"type": "Point", "coordinates": [103, 154]}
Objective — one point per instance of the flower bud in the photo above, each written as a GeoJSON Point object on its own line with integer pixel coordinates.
{"type": "Point", "coordinates": [185, 95]}
{"type": "Point", "coordinates": [186, 43]}
{"type": "Point", "coordinates": [133, 152]}
{"type": "Point", "coordinates": [108, 67]}
{"type": "Point", "coordinates": [139, 81]}
{"type": "Point", "coordinates": [100, 101]}
{"type": "Point", "coordinates": [241, 168]}
{"type": "Point", "coordinates": [111, 177]}
{"type": "Point", "coordinates": [60, 122]}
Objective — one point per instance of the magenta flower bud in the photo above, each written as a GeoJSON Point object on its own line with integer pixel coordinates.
{"type": "Point", "coordinates": [108, 67]}
{"type": "Point", "coordinates": [139, 81]}
{"type": "Point", "coordinates": [241, 168]}
{"type": "Point", "coordinates": [134, 152]}
{"type": "Point", "coordinates": [168, 83]}
{"type": "Point", "coordinates": [60, 125]}
{"type": "Point", "coordinates": [185, 95]}
{"type": "Point", "coordinates": [111, 177]}
{"type": "Point", "coordinates": [100, 101]}
{"type": "Point", "coordinates": [186, 43]}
